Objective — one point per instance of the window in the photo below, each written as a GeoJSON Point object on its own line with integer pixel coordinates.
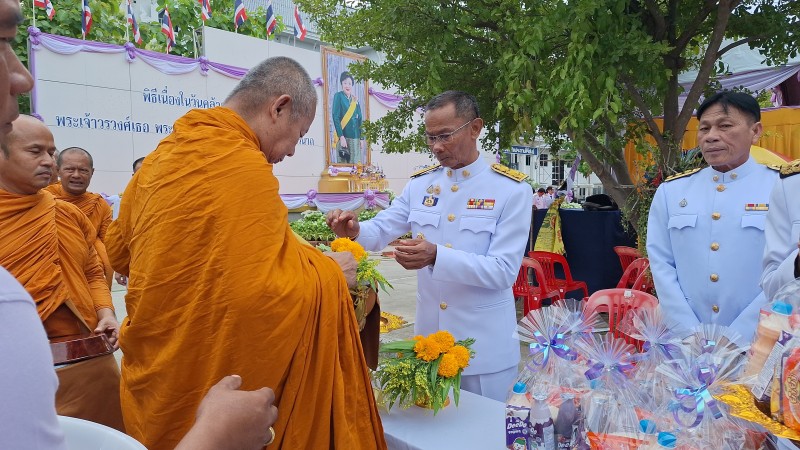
{"type": "Point", "coordinates": [558, 173]}
{"type": "Point", "coordinates": [543, 159]}
{"type": "Point", "coordinates": [527, 160]}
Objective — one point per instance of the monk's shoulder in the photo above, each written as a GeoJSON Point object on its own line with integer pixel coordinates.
{"type": "Point", "coordinates": [72, 216]}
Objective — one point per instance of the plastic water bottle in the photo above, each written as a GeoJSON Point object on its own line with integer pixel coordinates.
{"type": "Point", "coordinates": [542, 431]}
{"type": "Point", "coordinates": [566, 424]}
{"type": "Point", "coordinates": [517, 418]}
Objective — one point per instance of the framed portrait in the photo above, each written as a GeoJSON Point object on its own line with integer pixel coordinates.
{"type": "Point", "coordinates": [346, 105]}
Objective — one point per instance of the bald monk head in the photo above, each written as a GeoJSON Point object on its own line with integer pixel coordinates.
{"type": "Point", "coordinates": [75, 169]}
{"type": "Point", "coordinates": [278, 101]}
{"type": "Point", "coordinates": [26, 159]}
{"type": "Point", "coordinates": [14, 77]}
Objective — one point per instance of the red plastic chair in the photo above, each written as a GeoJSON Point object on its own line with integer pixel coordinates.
{"type": "Point", "coordinates": [631, 275]}
{"type": "Point", "coordinates": [532, 296]}
{"type": "Point", "coordinates": [617, 303]}
{"type": "Point", "coordinates": [627, 255]}
{"type": "Point", "coordinates": [548, 261]}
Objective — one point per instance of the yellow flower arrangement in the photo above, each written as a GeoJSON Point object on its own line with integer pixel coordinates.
{"type": "Point", "coordinates": [425, 367]}
{"type": "Point", "coordinates": [366, 273]}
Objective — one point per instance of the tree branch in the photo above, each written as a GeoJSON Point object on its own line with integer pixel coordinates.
{"type": "Point", "coordinates": [735, 44]}
{"type": "Point", "coordinates": [691, 30]}
{"type": "Point", "coordinates": [638, 100]}
{"type": "Point", "coordinates": [658, 18]}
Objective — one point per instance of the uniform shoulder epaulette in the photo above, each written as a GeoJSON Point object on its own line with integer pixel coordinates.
{"type": "Point", "coordinates": [789, 169]}
{"type": "Point", "coordinates": [515, 175]}
{"type": "Point", "coordinates": [425, 170]}
{"type": "Point", "coordinates": [774, 167]}
{"type": "Point", "coordinates": [683, 174]}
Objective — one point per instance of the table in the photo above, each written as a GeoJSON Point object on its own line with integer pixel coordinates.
{"type": "Point", "coordinates": [589, 239]}
{"type": "Point", "coordinates": [477, 423]}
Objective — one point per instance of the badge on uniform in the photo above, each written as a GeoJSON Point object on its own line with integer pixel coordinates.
{"type": "Point", "coordinates": [434, 189]}
{"type": "Point", "coordinates": [756, 207]}
{"type": "Point", "coordinates": [430, 200]}
{"type": "Point", "coordinates": [480, 203]}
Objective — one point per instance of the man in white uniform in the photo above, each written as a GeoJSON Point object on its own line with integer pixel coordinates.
{"type": "Point", "coordinates": [470, 223]}
{"type": "Point", "coordinates": [705, 232]}
{"type": "Point", "coordinates": [781, 261]}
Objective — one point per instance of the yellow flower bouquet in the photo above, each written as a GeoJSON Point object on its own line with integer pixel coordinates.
{"type": "Point", "coordinates": [368, 278]}
{"type": "Point", "coordinates": [423, 370]}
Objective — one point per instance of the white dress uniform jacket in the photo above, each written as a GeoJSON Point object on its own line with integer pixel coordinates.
{"type": "Point", "coordinates": [782, 231]}
{"type": "Point", "coordinates": [705, 242]}
{"type": "Point", "coordinates": [479, 220]}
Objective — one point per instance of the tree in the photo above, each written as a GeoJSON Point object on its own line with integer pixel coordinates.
{"type": "Point", "coordinates": [597, 71]}
{"type": "Point", "coordinates": [110, 25]}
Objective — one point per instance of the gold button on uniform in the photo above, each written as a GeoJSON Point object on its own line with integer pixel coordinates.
{"type": "Point", "coordinates": [449, 172]}
{"type": "Point", "coordinates": [454, 188]}
{"type": "Point", "coordinates": [734, 176]}
{"type": "Point", "coordinates": [716, 178]}
{"type": "Point", "coordinates": [716, 216]}
{"type": "Point", "coordinates": [714, 246]}
{"type": "Point", "coordinates": [451, 217]}
{"type": "Point", "coordinates": [465, 173]}
{"type": "Point", "coordinates": [714, 277]}
{"type": "Point", "coordinates": [448, 245]}
{"type": "Point", "coordinates": [443, 305]}
{"type": "Point", "coordinates": [715, 308]}
{"type": "Point", "coordinates": [720, 187]}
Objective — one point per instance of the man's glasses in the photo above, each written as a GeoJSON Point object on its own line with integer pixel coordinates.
{"type": "Point", "coordinates": [444, 138]}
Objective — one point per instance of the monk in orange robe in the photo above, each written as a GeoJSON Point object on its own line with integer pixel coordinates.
{"type": "Point", "coordinates": [48, 245]}
{"type": "Point", "coordinates": [75, 169]}
{"type": "Point", "coordinates": [218, 283]}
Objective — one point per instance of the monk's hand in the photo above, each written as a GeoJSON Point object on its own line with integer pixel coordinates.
{"type": "Point", "coordinates": [107, 324]}
{"type": "Point", "coordinates": [348, 265]}
{"type": "Point", "coordinates": [343, 223]}
{"type": "Point", "coordinates": [233, 419]}
{"type": "Point", "coordinates": [415, 253]}
{"type": "Point", "coordinates": [122, 280]}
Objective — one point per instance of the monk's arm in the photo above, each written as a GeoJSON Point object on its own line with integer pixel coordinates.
{"type": "Point", "coordinates": [96, 277]}
{"type": "Point", "coordinates": [117, 246]}
{"type": "Point", "coordinates": [103, 228]}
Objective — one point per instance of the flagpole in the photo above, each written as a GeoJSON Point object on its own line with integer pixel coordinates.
{"type": "Point", "coordinates": [33, 10]}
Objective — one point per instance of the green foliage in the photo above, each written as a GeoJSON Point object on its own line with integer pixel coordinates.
{"type": "Point", "coordinates": [367, 214]}
{"type": "Point", "coordinates": [312, 227]}
{"type": "Point", "coordinates": [591, 72]}
{"type": "Point", "coordinates": [109, 25]}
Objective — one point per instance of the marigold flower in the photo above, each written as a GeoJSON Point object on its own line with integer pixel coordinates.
{"type": "Point", "coordinates": [419, 337]}
{"type": "Point", "coordinates": [444, 339]}
{"type": "Point", "coordinates": [346, 245]}
{"type": "Point", "coordinates": [448, 367]}
{"type": "Point", "coordinates": [461, 354]}
{"type": "Point", "coordinates": [427, 349]}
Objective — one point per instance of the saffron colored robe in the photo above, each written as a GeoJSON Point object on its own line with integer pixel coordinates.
{"type": "Point", "coordinates": [99, 213]}
{"type": "Point", "coordinates": [48, 245]}
{"type": "Point", "coordinates": [219, 285]}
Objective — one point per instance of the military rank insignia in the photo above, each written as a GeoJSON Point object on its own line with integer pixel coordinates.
{"type": "Point", "coordinates": [480, 203]}
{"type": "Point", "coordinates": [756, 207]}
{"type": "Point", "coordinates": [430, 200]}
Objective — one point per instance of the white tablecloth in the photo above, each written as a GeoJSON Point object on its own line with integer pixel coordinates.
{"type": "Point", "coordinates": [477, 423]}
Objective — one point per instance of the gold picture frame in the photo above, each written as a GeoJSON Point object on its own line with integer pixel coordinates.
{"type": "Point", "coordinates": [350, 109]}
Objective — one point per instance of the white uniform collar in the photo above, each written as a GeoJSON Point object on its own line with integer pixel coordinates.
{"type": "Point", "coordinates": [467, 172]}
{"type": "Point", "coordinates": [736, 174]}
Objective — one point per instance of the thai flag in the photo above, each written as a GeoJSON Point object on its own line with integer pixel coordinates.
{"type": "Point", "coordinates": [240, 14]}
{"type": "Point", "coordinates": [137, 35]}
{"type": "Point", "coordinates": [47, 5]}
{"type": "Point", "coordinates": [166, 28]}
{"type": "Point", "coordinates": [272, 21]}
{"type": "Point", "coordinates": [299, 29]}
{"type": "Point", "coordinates": [86, 19]}
{"type": "Point", "coordinates": [205, 9]}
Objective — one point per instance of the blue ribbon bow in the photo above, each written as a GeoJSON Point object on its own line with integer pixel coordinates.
{"type": "Point", "coordinates": [542, 345]}
{"type": "Point", "coordinates": [700, 399]}
{"type": "Point", "coordinates": [616, 369]}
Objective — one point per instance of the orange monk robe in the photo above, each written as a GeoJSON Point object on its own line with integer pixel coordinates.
{"type": "Point", "coordinates": [99, 213]}
{"type": "Point", "coordinates": [48, 245]}
{"type": "Point", "coordinates": [219, 285]}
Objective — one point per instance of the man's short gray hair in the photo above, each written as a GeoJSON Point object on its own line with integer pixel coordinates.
{"type": "Point", "coordinates": [272, 78]}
